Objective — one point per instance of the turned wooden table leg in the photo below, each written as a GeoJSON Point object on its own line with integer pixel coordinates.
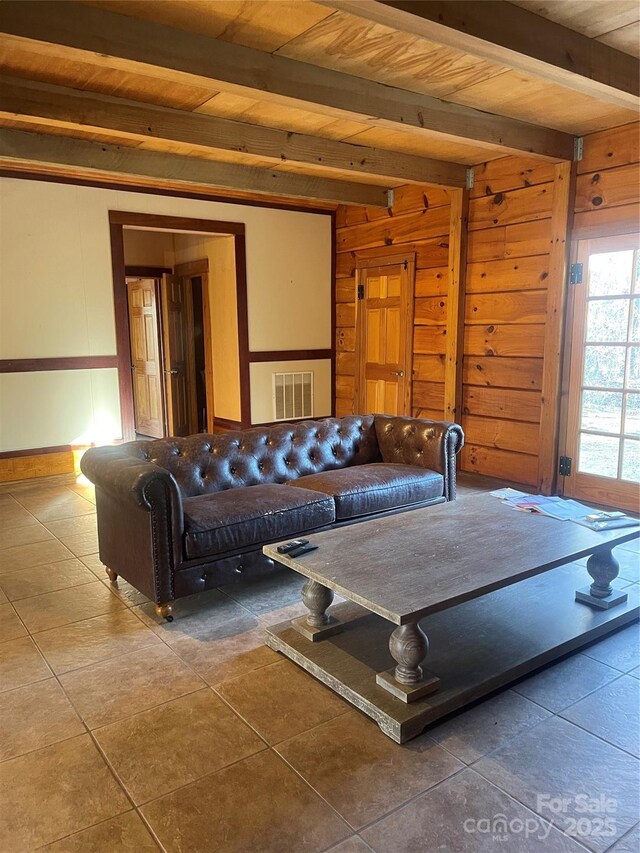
{"type": "Point", "coordinates": [603, 568]}
{"type": "Point", "coordinates": [408, 646]}
{"type": "Point", "coordinates": [317, 599]}
{"type": "Point", "coordinates": [317, 624]}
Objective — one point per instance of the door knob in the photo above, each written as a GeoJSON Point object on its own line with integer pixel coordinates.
{"type": "Point", "coordinates": [397, 372]}
{"type": "Point", "coordinates": [171, 372]}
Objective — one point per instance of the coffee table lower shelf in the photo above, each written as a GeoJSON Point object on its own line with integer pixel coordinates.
{"type": "Point", "coordinates": [475, 647]}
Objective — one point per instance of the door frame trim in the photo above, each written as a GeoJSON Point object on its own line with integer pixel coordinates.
{"type": "Point", "coordinates": [117, 221]}
{"type": "Point", "coordinates": [200, 269]}
{"type": "Point", "coordinates": [568, 362]}
{"type": "Point", "coordinates": [366, 260]}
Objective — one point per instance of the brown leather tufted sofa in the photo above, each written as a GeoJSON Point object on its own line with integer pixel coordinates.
{"type": "Point", "coordinates": [180, 515]}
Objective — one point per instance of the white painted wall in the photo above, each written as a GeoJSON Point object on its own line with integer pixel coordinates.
{"type": "Point", "coordinates": [56, 296]}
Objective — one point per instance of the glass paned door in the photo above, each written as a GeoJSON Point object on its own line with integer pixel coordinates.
{"type": "Point", "coordinates": [603, 434]}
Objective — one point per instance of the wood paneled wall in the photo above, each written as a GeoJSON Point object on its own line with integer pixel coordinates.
{"type": "Point", "coordinates": [508, 266]}
{"type": "Point", "coordinates": [417, 222]}
{"type": "Point", "coordinates": [608, 183]}
{"type": "Point", "coordinates": [515, 279]}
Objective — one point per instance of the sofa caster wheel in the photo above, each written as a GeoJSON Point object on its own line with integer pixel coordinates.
{"type": "Point", "coordinates": [113, 576]}
{"type": "Point", "coordinates": [163, 611]}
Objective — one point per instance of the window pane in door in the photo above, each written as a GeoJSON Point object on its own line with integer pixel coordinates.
{"type": "Point", "coordinates": [604, 366]}
{"type": "Point", "coordinates": [632, 415]}
{"type": "Point", "coordinates": [607, 320]}
{"type": "Point", "coordinates": [598, 454]}
{"type": "Point", "coordinates": [633, 377]}
{"type": "Point", "coordinates": [610, 273]}
{"type": "Point", "coordinates": [602, 411]}
{"type": "Point", "coordinates": [631, 460]}
{"type": "Point", "coordinates": [635, 320]}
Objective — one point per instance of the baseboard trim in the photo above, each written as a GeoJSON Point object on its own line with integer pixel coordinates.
{"type": "Point", "coordinates": [35, 463]}
{"type": "Point", "coordinates": [225, 423]}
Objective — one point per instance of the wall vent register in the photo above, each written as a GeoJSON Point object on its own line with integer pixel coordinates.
{"type": "Point", "coordinates": [292, 395]}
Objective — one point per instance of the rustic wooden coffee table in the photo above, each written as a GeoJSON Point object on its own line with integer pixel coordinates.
{"type": "Point", "coordinates": [495, 591]}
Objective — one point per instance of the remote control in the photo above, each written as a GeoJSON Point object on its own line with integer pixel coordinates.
{"type": "Point", "coordinates": [303, 549]}
{"type": "Point", "coordinates": [291, 546]}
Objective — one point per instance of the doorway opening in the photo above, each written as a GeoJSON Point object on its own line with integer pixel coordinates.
{"type": "Point", "coordinates": [180, 294]}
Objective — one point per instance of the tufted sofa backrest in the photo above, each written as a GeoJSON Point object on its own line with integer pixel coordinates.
{"type": "Point", "coordinates": [203, 463]}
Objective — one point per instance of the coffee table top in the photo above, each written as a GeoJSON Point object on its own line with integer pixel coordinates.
{"type": "Point", "coordinates": [404, 566]}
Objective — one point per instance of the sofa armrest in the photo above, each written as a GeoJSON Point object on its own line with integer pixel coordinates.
{"type": "Point", "coordinates": [129, 479]}
{"type": "Point", "coordinates": [422, 442]}
{"type": "Point", "coordinates": [140, 519]}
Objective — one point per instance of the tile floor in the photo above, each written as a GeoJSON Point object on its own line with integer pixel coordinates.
{"type": "Point", "coordinates": [122, 733]}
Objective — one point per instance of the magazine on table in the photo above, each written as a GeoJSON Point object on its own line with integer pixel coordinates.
{"type": "Point", "coordinates": [564, 510]}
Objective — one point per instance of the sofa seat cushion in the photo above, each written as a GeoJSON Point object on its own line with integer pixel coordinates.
{"type": "Point", "coordinates": [251, 515]}
{"type": "Point", "coordinates": [366, 489]}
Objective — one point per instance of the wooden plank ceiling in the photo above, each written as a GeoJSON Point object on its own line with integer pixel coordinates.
{"type": "Point", "coordinates": [323, 99]}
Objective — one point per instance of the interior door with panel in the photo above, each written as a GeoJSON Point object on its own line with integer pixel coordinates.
{"type": "Point", "coordinates": [179, 371]}
{"type": "Point", "coordinates": [146, 363]}
{"type": "Point", "coordinates": [384, 336]}
{"type": "Point", "coordinates": [603, 428]}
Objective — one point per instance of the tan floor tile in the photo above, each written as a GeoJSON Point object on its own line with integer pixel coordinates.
{"type": "Point", "coordinates": [88, 491]}
{"type": "Point", "coordinates": [274, 813]}
{"type": "Point", "coordinates": [55, 791]}
{"type": "Point", "coordinates": [21, 663]}
{"type": "Point", "coordinates": [123, 834]}
{"type": "Point", "coordinates": [128, 594]}
{"type": "Point", "coordinates": [26, 535]}
{"type": "Point", "coordinates": [58, 483]}
{"type": "Point", "coordinates": [194, 615]}
{"type": "Point", "coordinates": [94, 640]}
{"type": "Point", "coordinates": [81, 544]}
{"type": "Point", "coordinates": [36, 716]}
{"type": "Point", "coordinates": [13, 515]}
{"type": "Point", "coordinates": [56, 506]}
{"type": "Point", "coordinates": [47, 578]}
{"type": "Point", "coordinates": [296, 701]}
{"type": "Point", "coordinates": [66, 605]}
{"type": "Point", "coordinates": [362, 772]}
{"type": "Point", "coordinates": [10, 626]}
{"type": "Point", "coordinates": [94, 564]}
{"type": "Point", "coordinates": [36, 554]}
{"type": "Point", "coordinates": [3, 597]}
{"type": "Point", "coordinates": [352, 845]}
{"type": "Point", "coordinates": [226, 651]}
{"type": "Point", "coordinates": [73, 526]}
{"type": "Point", "coordinates": [169, 746]}
{"type": "Point", "coordinates": [111, 691]}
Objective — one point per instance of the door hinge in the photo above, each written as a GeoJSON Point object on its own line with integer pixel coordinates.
{"type": "Point", "coordinates": [575, 274]}
{"type": "Point", "coordinates": [564, 468]}
{"type": "Point", "coordinates": [470, 179]}
{"type": "Point", "coordinates": [578, 148]}
{"type": "Point", "coordinates": [361, 291]}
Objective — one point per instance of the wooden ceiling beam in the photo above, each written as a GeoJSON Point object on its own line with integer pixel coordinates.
{"type": "Point", "coordinates": [73, 109]}
{"type": "Point", "coordinates": [503, 33]}
{"type": "Point", "coordinates": [34, 148]}
{"type": "Point", "coordinates": [71, 30]}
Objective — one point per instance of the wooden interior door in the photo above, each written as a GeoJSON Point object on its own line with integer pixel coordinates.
{"type": "Point", "coordinates": [384, 336]}
{"type": "Point", "coordinates": [177, 324]}
{"type": "Point", "coordinates": [603, 425]}
{"type": "Point", "coordinates": [146, 364]}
